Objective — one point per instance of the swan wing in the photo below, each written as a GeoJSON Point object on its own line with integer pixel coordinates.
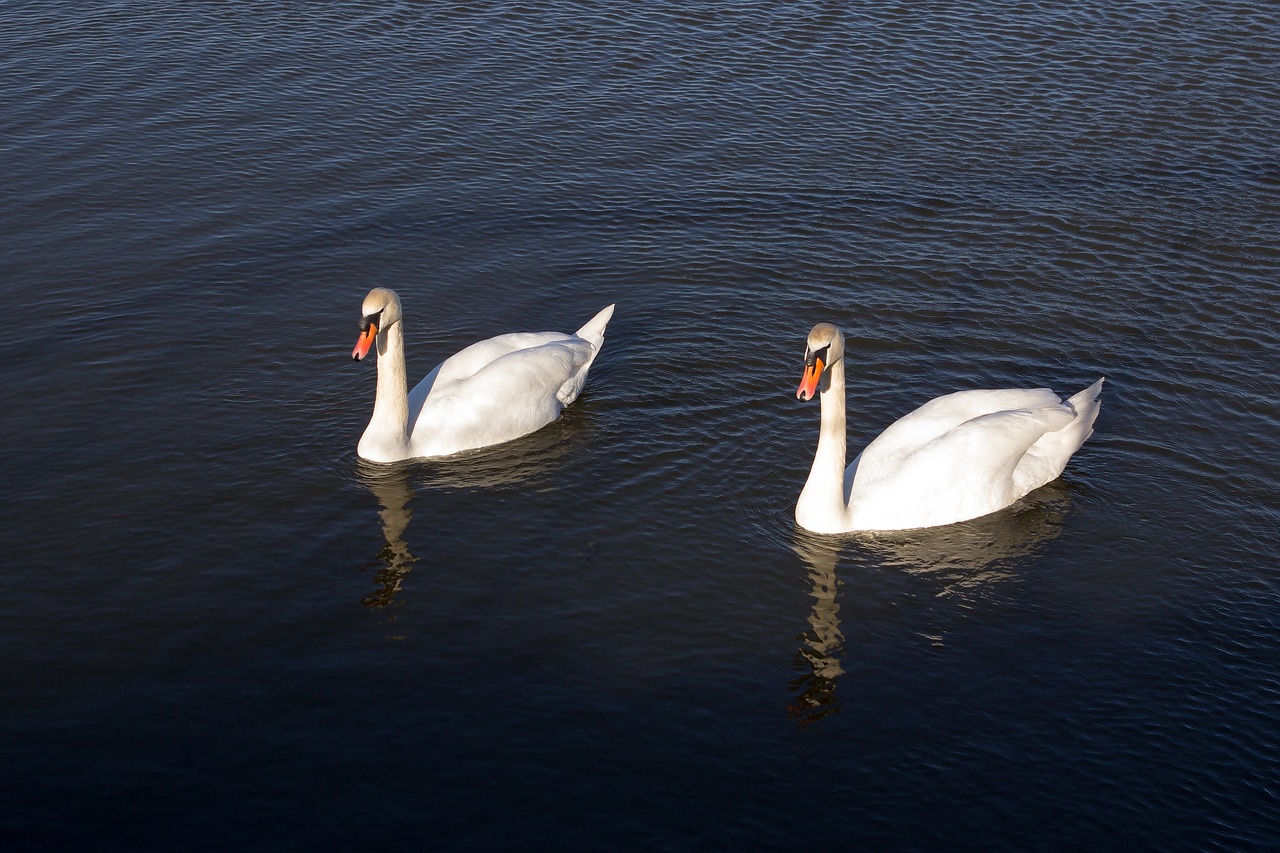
{"type": "Point", "coordinates": [963, 472]}
{"type": "Point", "coordinates": [943, 414]}
{"type": "Point", "coordinates": [535, 372]}
{"type": "Point", "coordinates": [468, 361]}
{"type": "Point", "coordinates": [511, 393]}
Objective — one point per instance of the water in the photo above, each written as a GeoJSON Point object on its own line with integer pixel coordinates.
{"type": "Point", "coordinates": [223, 631]}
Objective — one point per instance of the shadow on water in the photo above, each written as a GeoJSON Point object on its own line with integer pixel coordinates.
{"type": "Point", "coordinates": [958, 559]}
{"type": "Point", "coordinates": [528, 461]}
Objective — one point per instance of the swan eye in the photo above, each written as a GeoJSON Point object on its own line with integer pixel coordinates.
{"type": "Point", "coordinates": [375, 319]}
{"type": "Point", "coordinates": [811, 356]}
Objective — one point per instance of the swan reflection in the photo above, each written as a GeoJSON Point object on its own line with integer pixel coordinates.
{"type": "Point", "coordinates": [975, 554]}
{"type": "Point", "coordinates": [527, 460]}
{"type": "Point", "coordinates": [390, 485]}
{"type": "Point", "coordinates": [960, 559]}
{"type": "Point", "coordinates": [820, 658]}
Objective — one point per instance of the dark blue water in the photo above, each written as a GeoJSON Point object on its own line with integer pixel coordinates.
{"type": "Point", "coordinates": [222, 631]}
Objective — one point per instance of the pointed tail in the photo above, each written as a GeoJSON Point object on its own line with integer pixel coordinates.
{"type": "Point", "coordinates": [594, 329]}
{"type": "Point", "coordinates": [1046, 459]}
{"type": "Point", "coordinates": [1087, 406]}
{"type": "Point", "coordinates": [593, 333]}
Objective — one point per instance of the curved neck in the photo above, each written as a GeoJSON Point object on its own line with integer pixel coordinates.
{"type": "Point", "coordinates": [821, 507]}
{"type": "Point", "coordinates": [831, 451]}
{"type": "Point", "coordinates": [387, 435]}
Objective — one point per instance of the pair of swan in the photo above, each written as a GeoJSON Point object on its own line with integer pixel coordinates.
{"type": "Point", "coordinates": [958, 457]}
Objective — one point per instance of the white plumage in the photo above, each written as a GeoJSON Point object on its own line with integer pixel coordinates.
{"type": "Point", "coordinates": [490, 392]}
{"type": "Point", "coordinates": [957, 457]}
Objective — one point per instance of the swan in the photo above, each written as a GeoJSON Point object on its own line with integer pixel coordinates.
{"type": "Point", "coordinates": [957, 457]}
{"type": "Point", "coordinates": [490, 392]}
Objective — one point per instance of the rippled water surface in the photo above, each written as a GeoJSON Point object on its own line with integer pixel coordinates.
{"type": "Point", "coordinates": [223, 631]}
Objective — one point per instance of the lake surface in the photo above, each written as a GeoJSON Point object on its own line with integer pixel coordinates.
{"type": "Point", "coordinates": [222, 631]}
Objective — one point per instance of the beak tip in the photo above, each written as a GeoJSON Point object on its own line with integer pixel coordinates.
{"type": "Point", "coordinates": [809, 383]}
{"type": "Point", "coordinates": [364, 343]}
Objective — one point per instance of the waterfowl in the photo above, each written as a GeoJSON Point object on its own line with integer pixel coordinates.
{"type": "Point", "coordinates": [957, 457]}
{"type": "Point", "coordinates": [493, 391]}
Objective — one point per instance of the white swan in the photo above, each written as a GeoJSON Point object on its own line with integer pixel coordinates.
{"type": "Point", "coordinates": [958, 457]}
{"type": "Point", "coordinates": [492, 391]}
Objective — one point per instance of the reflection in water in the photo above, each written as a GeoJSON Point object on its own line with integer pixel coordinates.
{"type": "Point", "coordinates": [964, 557]}
{"type": "Point", "coordinates": [975, 554]}
{"type": "Point", "coordinates": [526, 460]}
{"type": "Point", "coordinates": [390, 485]}
{"type": "Point", "coordinates": [822, 649]}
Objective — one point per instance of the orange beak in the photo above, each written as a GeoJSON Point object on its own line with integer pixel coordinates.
{"type": "Point", "coordinates": [365, 341]}
{"type": "Point", "coordinates": [809, 382]}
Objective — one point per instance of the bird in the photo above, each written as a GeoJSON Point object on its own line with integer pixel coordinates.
{"type": "Point", "coordinates": [957, 457]}
{"type": "Point", "coordinates": [488, 393]}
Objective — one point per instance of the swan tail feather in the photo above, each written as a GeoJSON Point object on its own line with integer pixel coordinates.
{"type": "Point", "coordinates": [592, 333]}
{"type": "Point", "coordinates": [1046, 459]}
{"type": "Point", "coordinates": [594, 329]}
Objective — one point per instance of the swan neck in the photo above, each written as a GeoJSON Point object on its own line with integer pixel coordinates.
{"type": "Point", "coordinates": [822, 506]}
{"type": "Point", "coordinates": [391, 408]}
{"type": "Point", "coordinates": [831, 438]}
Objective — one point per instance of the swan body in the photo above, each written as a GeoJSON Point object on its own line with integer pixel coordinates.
{"type": "Point", "coordinates": [957, 457]}
{"type": "Point", "coordinates": [488, 393]}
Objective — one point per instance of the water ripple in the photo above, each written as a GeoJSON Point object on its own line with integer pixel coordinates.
{"type": "Point", "coordinates": [1025, 194]}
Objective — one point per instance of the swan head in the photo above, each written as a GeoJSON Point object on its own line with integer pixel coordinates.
{"type": "Point", "coordinates": [824, 348]}
{"type": "Point", "coordinates": [380, 311]}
